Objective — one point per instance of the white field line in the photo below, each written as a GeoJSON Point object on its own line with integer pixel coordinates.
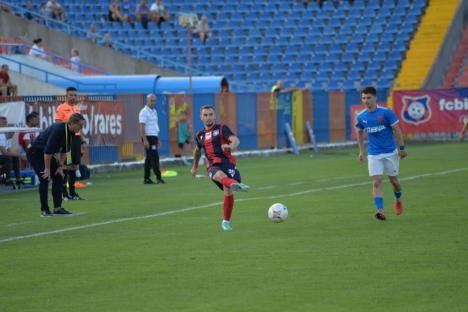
{"type": "Point", "coordinates": [161, 214]}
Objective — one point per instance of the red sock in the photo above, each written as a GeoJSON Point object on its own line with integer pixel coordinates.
{"type": "Point", "coordinates": [227, 182]}
{"type": "Point", "coordinates": [228, 205]}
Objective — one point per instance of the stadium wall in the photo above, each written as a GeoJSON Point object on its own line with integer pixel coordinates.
{"type": "Point", "coordinates": [257, 118]}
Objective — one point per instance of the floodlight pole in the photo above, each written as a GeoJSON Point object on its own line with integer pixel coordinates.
{"type": "Point", "coordinates": [189, 56]}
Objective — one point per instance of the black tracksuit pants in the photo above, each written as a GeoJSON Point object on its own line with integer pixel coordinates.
{"type": "Point", "coordinates": [152, 158]}
{"type": "Point", "coordinates": [36, 159]}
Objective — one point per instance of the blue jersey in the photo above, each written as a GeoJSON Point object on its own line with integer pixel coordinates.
{"type": "Point", "coordinates": [378, 126]}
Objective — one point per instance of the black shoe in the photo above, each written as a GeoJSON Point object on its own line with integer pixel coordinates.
{"type": "Point", "coordinates": [380, 216]}
{"type": "Point", "coordinates": [160, 181]}
{"type": "Point", "coordinates": [76, 197]}
{"type": "Point", "coordinates": [148, 181]}
{"type": "Point", "coordinates": [66, 197]}
{"type": "Point", "coordinates": [19, 184]}
{"type": "Point", "coordinates": [62, 212]}
{"type": "Point", "coordinates": [46, 213]}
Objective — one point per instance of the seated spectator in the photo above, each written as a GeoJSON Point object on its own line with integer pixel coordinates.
{"type": "Point", "coordinates": [115, 14]}
{"type": "Point", "coordinates": [9, 159]}
{"type": "Point", "coordinates": [43, 12]}
{"type": "Point", "coordinates": [142, 13]}
{"type": "Point", "coordinates": [37, 49]}
{"type": "Point", "coordinates": [91, 34]}
{"type": "Point", "coordinates": [4, 8]}
{"type": "Point", "coordinates": [30, 7]}
{"type": "Point", "coordinates": [107, 41]}
{"type": "Point", "coordinates": [26, 138]}
{"type": "Point", "coordinates": [159, 12]}
{"type": "Point", "coordinates": [7, 88]}
{"type": "Point", "coordinates": [55, 10]}
{"type": "Point", "coordinates": [202, 30]}
{"type": "Point", "coordinates": [75, 60]}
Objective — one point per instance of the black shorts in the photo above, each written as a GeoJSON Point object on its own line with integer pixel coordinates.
{"type": "Point", "coordinates": [228, 168]}
{"type": "Point", "coordinates": [181, 144]}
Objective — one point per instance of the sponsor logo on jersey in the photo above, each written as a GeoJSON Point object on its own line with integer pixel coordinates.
{"type": "Point", "coordinates": [375, 129]}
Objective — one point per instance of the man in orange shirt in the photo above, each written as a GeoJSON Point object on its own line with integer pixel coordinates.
{"type": "Point", "coordinates": [62, 114]}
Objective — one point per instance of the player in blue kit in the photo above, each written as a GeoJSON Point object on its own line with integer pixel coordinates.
{"type": "Point", "coordinates": [218, 141]}
{"type": "Point", "coordinates": [381, 126]}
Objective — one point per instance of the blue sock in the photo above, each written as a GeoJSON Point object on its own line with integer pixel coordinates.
{"type": "Point", "coordinates": [397, 195]}
{"type": "Point", "coordinates": [378, 201]}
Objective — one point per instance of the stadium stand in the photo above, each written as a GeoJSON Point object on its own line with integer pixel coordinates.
{"type": "Point", "coordinates": [335, 47]}
{"type": "Point", "coordinates": [426, 44]}
{"type": "Point", "coordinates": [457, 75]}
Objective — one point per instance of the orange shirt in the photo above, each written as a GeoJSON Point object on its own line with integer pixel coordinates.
{"type": "Point", "coordinates": [64, 111]}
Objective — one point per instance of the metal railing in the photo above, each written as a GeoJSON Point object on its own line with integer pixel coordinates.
{"type": "Point", "coordinates": [21, 48]}
{"type": "Point", "coordinates": [46, 75]}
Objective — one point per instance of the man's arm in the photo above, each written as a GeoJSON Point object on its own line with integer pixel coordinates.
{"type": "Point", "coordinates": [196, 159]}
{"type": "Point", "coordinates": [5, 151]}
{"type": "Point", "coordinates": [234, 143]}
{"type": "Point", "coordinates": [360, 141]}
{"type": "Point", "coordinates": [143, 136]}
{"type": "Point", "coordinates": [399, 138]}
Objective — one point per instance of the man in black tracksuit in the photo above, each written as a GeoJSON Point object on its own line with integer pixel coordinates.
{"type": "Point", "coordinates": [49, 155]}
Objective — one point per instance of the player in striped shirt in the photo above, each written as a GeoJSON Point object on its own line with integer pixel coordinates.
{"type": "Point", "coordinates": [218, 141]}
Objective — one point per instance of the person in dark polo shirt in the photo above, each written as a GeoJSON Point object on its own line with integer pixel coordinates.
{"type": "Point", "coordinates": [49, 155]}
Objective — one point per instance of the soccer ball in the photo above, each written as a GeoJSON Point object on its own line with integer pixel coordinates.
{"type": "Point", "coordinates": [278, 212]}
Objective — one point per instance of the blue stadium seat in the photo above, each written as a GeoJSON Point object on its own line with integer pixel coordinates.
{"type": "Point", "coordinates": [247, 34]}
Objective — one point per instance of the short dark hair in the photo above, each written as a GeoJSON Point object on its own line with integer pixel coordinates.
{"type": "Point", "coordinates": [38, 40]}
{"type": "Point", "coordinates": [3, 118]}
{"type": "Point", "coordinates": [207, 107]}
{"type": "Point", "coordinates": [71, 89]}
{"type": "Point", "coordinates": [75, 118]}
{"type": "Point", "coordinates": [31, 116]}
{"type": "Point", "coordinates": [369, 90]}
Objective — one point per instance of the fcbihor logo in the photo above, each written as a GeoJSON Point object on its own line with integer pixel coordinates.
{"type": "Point", "coordinates": [416, 109]}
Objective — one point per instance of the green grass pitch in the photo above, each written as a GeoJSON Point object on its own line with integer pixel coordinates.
{"type": "Point", "coordinates": [135, 247]}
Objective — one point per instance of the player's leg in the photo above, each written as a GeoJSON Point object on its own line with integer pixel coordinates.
{"type": "Point", "coordinates": [376, 169]}
{"type": "Point", "coordinates": [64, 186]}
{"type": "Point", "coordinates": [223, 182]}
{"type": "Point", "coordinates": [147, 166]}
{"type": "Point", "coordinates": [228, 206]}
{"type": "Point", "coordinates": [37, 163]}
{"type": "Point", "coordinates": [57, 183]}
{"type": "Point", "coordinates": [6, 162]}
{"type": "Point", "coordinates": [155, 160]}
{"type": "Point", "coordinates": [391, 165]}
{"type": "Point", "coordinates": [76, 160]}
{"type": "Point", "coordinates": [217, 174]}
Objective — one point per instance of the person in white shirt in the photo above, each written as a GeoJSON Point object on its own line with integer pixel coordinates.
{"type": "Point", "coordinates": [149, 132]}
{"type": "Point", "coordinates": [37, 49]}
{"type": "Point", "coordinates": [159, 13]}
{"type": "Point", "coordinates": [75, 60]}
{"type": "Point", "coordinates": [55, 10]}
{"type": "Point", "coordinates": [202, 30]}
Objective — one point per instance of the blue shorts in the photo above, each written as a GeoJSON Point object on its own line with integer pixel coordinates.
{"type": "Point", "coordinates": [229, 169]}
